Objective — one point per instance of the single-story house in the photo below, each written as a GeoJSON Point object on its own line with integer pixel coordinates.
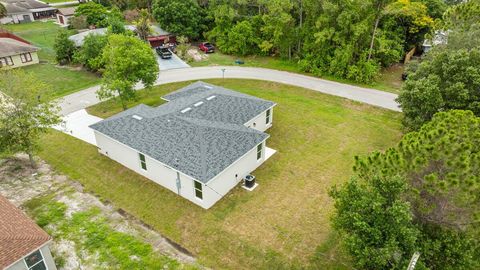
{"type": "Point", "coordinates": [20, 11]}
{"type": "Point", "coordinates": [23, 244]}
{"type": "Point", "coordinates": [64, 15]}
{"type": "Point", "coordinates": [79, 38]}
{"type": "Point", "coordinates": [15, 51]}
{"type": "Point", "coordinates": [200, 144]}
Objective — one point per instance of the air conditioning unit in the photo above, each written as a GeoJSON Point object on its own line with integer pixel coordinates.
{"type": "Point", "coordinates": [249, 181]}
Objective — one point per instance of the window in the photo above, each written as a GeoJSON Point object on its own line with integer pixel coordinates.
{"type": "Point", "coordinates": [259, 151]}
{"type": "Point", "coordinates": [267, 120]}
{"type": "Point", "coordinates": [198, 190]}
{"type": "Point", "coordinates": [26, 57]}
{"type": "Point", "coordinates": [143, 163]}
{"type": "Point", "coordinates": [6, 61]}
{"type": "Point", "coordinates": [34, 261]}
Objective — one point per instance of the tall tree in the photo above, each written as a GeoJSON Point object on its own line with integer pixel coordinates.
{"type": "Point", "coordinates": [3, 11]}
{"type": "Point", "coordinates": [25, 113]}
{"type": "Point", "coordinates": [143, 24]}
{"type": "Point", "coordinates": [90, 54]}
{"type": "Point", "coordinates": [433, 174]}
{"type": "Point", "coordinates": [64, 48]}
{"type": "Point", "coordinates": [95, 13]}
{"type": "Point", "coordinates": [182, 17]}
{"type": "Point", "coordinates": [128, 61]}
{"type": "Point", "coordinates": [447, 79]}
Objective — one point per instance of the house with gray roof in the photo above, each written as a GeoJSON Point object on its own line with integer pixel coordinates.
{"type": "Point", "coordinates": [22, 11]}
{"type": "Point", "coordinates": [200, 144]}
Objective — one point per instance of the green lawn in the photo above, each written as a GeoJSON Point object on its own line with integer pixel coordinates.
{"type": "Point", "coordinates": [284, 223]}
{"type": "Point", "coordinates": [389, 79]}
{"type": "Point", "coordinates": [62, 80]}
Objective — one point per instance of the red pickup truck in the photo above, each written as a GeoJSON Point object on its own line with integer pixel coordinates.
{"type": "Point", "coordinates": [206, 47]}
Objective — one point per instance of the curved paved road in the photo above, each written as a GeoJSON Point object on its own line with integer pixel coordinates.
{"type": "Point", "coordinates": [87, 97]}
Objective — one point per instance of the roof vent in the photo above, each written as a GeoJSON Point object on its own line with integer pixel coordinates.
{"type": "Point", "coordinates": [208, 87]}
{"type": "Point", "coordinates": [198, 103]}
{"type": "Point", "coordinates": [211, 97]}
{"type": "Point", "coordinates": [186, 110]}
{"type": "Point", "coordinates": [137, 117]}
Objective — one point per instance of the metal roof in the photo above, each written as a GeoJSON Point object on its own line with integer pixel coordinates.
{"type": "Point", "coordinates": [200, 142]}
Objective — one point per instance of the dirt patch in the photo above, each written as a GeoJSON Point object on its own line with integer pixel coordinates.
{"type": "Point", "coordinates": [196, 55]}
{"type": "Point", "coordinates": [21, 183]}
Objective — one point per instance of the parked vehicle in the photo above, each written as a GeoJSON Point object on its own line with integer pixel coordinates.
{"type": "Point", "coordinates": [164, 52]}
{"type": "Point", "coordinates": [206, 47]}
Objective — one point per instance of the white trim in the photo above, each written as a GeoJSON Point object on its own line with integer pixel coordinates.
{"type": "Point", "coordinates": [195, 190]}
{"type": "Point", "coordinates": [262, 113]}
{"type": "Point", "coordinates": [23, 258]}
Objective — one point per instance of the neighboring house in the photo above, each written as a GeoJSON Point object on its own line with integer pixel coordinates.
{"type": "Point", "coordinates": [16, 52]}
{"type": "Point", "coordinates": [439, 38]}
{"type": "Point", "coordinates": [79, 38]}
{"type": "Point", "coordinates": [64, 15]}
{"type": "Point", "coordinates": [21, 11]}
{"type": "Point", "coordinates": [200, 144]}
{"type": "Point", "coordinates": [23, 244]}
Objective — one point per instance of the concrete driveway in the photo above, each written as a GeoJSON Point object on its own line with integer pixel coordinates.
{"type": "Point", "coordinates": [173, 63]}
{"type": "Point", "coordinates": [76, 125]}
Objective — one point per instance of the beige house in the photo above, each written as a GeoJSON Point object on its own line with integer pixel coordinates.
{"type": "Point", "coordinates": [16, 52]}
{"type": "Point", "coordinates": [64, 15]}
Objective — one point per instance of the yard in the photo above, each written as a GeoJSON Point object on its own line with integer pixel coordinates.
{"type": "Point", "coordinates": [64, 80]}
{"type": "Point", "coordinates": [284, 223]}
{"type": "Point", "coordinates": [389, 79]}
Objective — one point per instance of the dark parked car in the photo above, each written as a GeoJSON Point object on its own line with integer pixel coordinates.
{"type": "Point", "coordinates": [206, 47]}
{"type": "Point", "coordinates": [164, 52]}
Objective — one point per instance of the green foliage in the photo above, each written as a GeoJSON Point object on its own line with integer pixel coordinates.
{"type": "Point", "coordinates": [240, 40]}
{"type": "Point", "coordinates": [441, 166]}
{"type": "Point", "coordinates": [3, 11]}
{"type": "Point", "coordinates": [128, 60]}
{"type": "Point", "coordinates": [78, 22]}
{"type": "Point", "coordinates": [94, 13]}
{"type": "Point", "coordinates": [92, 234]}
{"type": "Point", "coordinates": [142, 24]}
{"type": "Point", "coordinates": [375, 222]}
{"type": "Point", "coordinates": [24, 113]}
{"type": "Point", "coordinates": [462, 16]}
{"type": "Point", "coordinates": [64, 48]}
{"type": "Point", "coordinates": [447, 79]}
{"type": "Point", "coordinates": [181, 17]}
{"type": "Point", "coordinates": [90, 54]}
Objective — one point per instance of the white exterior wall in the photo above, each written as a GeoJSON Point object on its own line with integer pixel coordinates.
{"type": "Point", "coordinates": [259, 122]}
{"type": "Point", "coordinates": [16, 18]}
{"type": "Point", "coordinates": [166, 176]}
{"type": "Point", "coordinates": [66, 19]}
{"type": "Point", "coordinates": [156, 171]}
{"type": "Point", "coordinates": [47, 258]}
{"type": "Point", "coordinates": [221, 184]}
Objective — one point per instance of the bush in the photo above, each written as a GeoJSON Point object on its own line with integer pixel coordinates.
{"type": "Point", "coordinates": [64, 48]}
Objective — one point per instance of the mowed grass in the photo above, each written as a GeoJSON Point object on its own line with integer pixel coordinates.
{"type": "Point", "coordinates": [285, 222]}
{"type": "Point", "coordinates": [63, 80]}
{"type": "Point", "coordinates": [389, 79]}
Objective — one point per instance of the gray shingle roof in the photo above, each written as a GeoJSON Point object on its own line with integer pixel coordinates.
{"type": "Point", "coordinates": [200, 143]}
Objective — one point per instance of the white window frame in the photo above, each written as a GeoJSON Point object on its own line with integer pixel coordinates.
{"type": "Point", "coordinates": [142, 162]}
{"type": "Point", "coordinates": [195, 189]}
{"type": "Point", "coordinates": [267, 117]}
{"type": "Point", "coordinates": [4, 61]}
{"type": "Point", "coordinates": [260, 151]}
{"type": "Point", "coordinates": [26, 57]}
{"type": "Point", "coordinates": [42, 260]}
